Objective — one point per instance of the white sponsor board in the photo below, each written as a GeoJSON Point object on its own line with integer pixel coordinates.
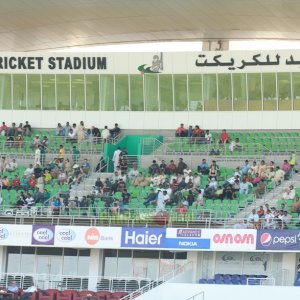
{"type": "Point", "coordinates": [232, 239]}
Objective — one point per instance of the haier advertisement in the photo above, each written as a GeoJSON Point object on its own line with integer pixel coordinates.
{"type": "Point", "coordinates": [162, 238]}
{"type": "Point", "coordinates": [281, 240]}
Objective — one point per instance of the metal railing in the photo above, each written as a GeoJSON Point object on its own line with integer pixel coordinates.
{"type": "Point", "coordinates": [149, 145]}
{"type": "Point", "coordinates": [74, 282]}
{"type": "Point", "coordinates": [198, 296]}
{"type": "Point", "coordinates": [260, 281]}
{"type": "Point", "coordinates": [153, 284]}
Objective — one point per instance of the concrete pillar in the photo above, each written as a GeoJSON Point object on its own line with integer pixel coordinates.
{"type": "Point", "coordinates": [94, 267]}
{"type": "Point", "coordinates": [192, 257]}
{"type": "Point", "coordinates": [2, 259]}
{"type": "Point", "coordinates": [289, 265]}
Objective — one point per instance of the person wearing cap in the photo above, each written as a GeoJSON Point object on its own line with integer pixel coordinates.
{"type": "Point", "coordinates": [181, 131]}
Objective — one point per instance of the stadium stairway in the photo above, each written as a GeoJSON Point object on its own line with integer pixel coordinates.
{"type": "Point", "coordinates": [85, 187]}
{"type": "Point", "coordinates": [271, 197]}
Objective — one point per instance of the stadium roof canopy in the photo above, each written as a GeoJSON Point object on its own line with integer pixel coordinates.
{"type": "Point", "coordinates": [33, 25]}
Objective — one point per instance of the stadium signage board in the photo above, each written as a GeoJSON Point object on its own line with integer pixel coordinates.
{"type": "Point", "coordinates": [281, 240]}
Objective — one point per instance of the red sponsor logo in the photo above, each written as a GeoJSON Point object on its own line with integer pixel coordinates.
{"type": "Point", "coordinates": [92, 236]}
{"type": "Point", "coordinates": [228, 238]}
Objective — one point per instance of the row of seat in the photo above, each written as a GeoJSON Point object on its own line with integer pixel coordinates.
{"type": "Point", "coordinates": [234, 279]}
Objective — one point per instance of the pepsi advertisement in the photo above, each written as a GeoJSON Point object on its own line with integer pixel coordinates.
{"type": "Point", "coordinates": [281, 240]}
{"type": "Point", "coordinates": [162, 238]}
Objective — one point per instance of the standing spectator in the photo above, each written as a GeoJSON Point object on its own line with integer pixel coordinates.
{"type": "Point", "coordinates": [80, 132]}
{"type": "Point", "coordinates": [75, 154]}
{"type": "Point", "coordinates": [27, 129]}
{"type": "Point", "coordinates": [37, 156]}
{"type": "Point", "coordinates": [59, 131]}
{"type": "Point", "coordinates": [116, 158]}
{"type": "Point", "coordinates": [67, 128]}
{"type": "Point", "coordinates": [181, 166]}
{"type": "Point", "coordinates": [181, 131]}
{"type": "Point", "coordinates": [3, 129]}
{"type": "Point", "coordinates": [115, 131]}
{"type": "Point", "coordinates": [105, 134]}
{"type": "Point", "coordinates": [61, 153]}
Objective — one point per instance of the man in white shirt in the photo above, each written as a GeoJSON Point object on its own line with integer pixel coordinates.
{"type": "Point", "coordinates": [134, 172]}
{"type": "Point", "coordinates": [116, 158]}
{"type": "Point", "coordinates": [12, 166]}
{"type": "Point", "coordinates": [160, 206]}
{"type": "Point", "coordinates": [105, 134]}
{"type": "Point", "coordinates": [29, 171]}
{"type": "Point", "coordinates": [289, 193]}
{"type": "Point", "coordinates": [253, 219]}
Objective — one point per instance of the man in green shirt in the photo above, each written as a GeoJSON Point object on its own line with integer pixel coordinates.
{"type": "Point", "coordinates": [76, 154]}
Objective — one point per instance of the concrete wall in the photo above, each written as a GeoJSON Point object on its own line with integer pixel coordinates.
{"type": "Point", "coordinates": [181, 291]}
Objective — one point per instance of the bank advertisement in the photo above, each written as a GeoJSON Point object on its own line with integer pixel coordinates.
{"type": "Point", "coordinates": [280, 240]}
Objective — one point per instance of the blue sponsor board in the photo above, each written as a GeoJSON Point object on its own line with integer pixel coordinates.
{"type": "Point", "coordinates": [278, 240]}
{"type": "Point", "coordinates": [156, 238]}
{"type": "Point", "coordinates": [188, 243]}
{"type": "Point", "coordinates": [143, 237]}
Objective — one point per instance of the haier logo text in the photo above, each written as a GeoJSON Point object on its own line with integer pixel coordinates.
{"type": "Point", "coordinates": [143, 237]}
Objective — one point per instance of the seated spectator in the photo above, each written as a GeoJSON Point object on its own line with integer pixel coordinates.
{"type": "Point", "coordinates": [45, 196]}
{"type": "Point", "coordinates": [29, 201]}
{"type": "Point", "coordinates": [269, 220]}
{"type": "Point", "coordinates": [196, 180]}
{"type": "Point", "coordinates": [20, 129]}
{"type": "Point", "coordinates": [86, 167]}
{"type": "Point", "coordinates": [197, 134]}
{"type": "Point", "coordinates": [253, 219]}
{"type": "Point", "coordinates": [286, 167]}
{"type": "Point", "coordinates": [203, 167]}
{"type": "Point", "coordinates": [256, 180]}
{"type": "Point", "coordinates": [235, 145]}
{"type": "Point", "coordinates": [154, 168]}
{"type": "Point", "coordinates": [190, 131]}
{"type": "Point", "coordinates": [3, 164]}
{"type": "Point", "coordinates": [59, 131]}
{"type": "Point", "coordinates": [171, 168]}
{"type": "Point", "coordinates": [228, 192]}
{"type": "Point", "coordinates": [37, 196]}
{"type": "Point", "coordinates": [13, 288]}
{"type": "Point", "coordinates": [150, 199]}
{"type": "Point", "coordinates": [27, 129]}
{"type": "Point", "coordinates": [182, 209]}
{"type": "Point", "coordinates": [67, 128]}
{"type": "Point", "coordinates": [6, 183]}
{"type": "Point", "coordinates": [16, 183]}
{"type": "Point", "coordinates": [3, 129]}
{"type": "Point", "coordinates": [261, 212]}
{"type": "Point", "coordinates": [224, 138]}
{"type": "Point", "coordinates": [208, 137]}
{"type": "Point", "coordinates": [181, 131]}
{"type": "Point", "coordinates": [182, 184]}
{"type": "Point", "coordinates": [72, 136]}
{"type": "Point", "coordinates": [126, 197]}
{"type": "Point", "coordinates": [9, 141]}
{"type": "Point", "coordinates": [115, 131]}
{"type": "Point", "coordinates": [105, 134]}
{"type": "Point", "coordinates": [260, 189]}
{"type": "Point", "coordinates": [289, 193]}
{"type": "Point", "coordinates": [187, 172]}
{"type": "Point", "coordinates": [62, 178]}
{"type": "Point", "coordinates": [212, 173]}
{"type": "Point", "coordinates": [12, 131]}
{"type": "Point", "coordinates": [278, 176]}
{"type": "Point", "coordinates": [56, 206]}
{"type": "Point", "coordinates": [36, 142]}
{"type": "Point", "coordinates": [213, 184]}
{"type": "Point", "coordinates": [12, 166]}
{"type": "Point", "coordinates": [199, 199]}
{"type": "Point", "coordinates": [133, 173]}
{"type": "Point", "coordinates": [32, 182]}
{"type": "Point", "coordinates": [18, 142]}
{"type": "Point", "coordinates": [245, 186]}
{"type": "Point", "coordinates": [163, 167]}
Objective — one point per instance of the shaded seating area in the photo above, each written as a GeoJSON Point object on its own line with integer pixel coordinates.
{"type": "Point", "coordinates": [235, 279]}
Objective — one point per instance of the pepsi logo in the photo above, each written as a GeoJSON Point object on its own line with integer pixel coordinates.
{"type": "Point", "coordinates": [266, 239]}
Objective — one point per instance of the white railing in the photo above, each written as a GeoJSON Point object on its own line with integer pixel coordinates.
{"type": "Point", "coordinates": [74, 282]}
{"type": "Point", "coordinates": [260, 281]}
{"type": "Point", "coordinates": [198, 296]}
{"type": "Point", "coordinates": [149, 145]}
{"type": "Point", "coordinates": [153, 284]}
